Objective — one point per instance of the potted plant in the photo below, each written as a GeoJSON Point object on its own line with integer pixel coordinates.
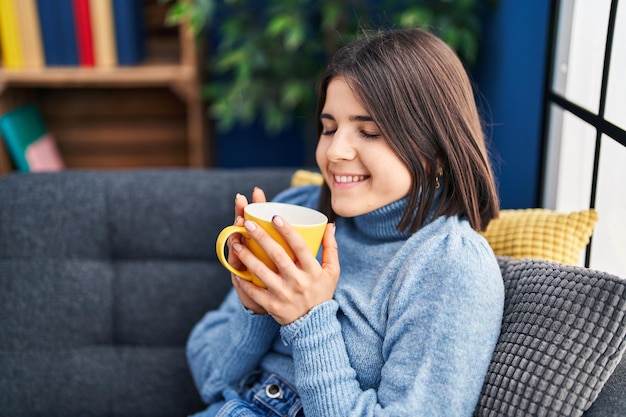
{"type": "Point", "coordinates": [265, 56]}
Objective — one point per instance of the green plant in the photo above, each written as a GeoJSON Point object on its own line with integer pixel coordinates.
{"type": "Point", "coordinates": [267, 54]}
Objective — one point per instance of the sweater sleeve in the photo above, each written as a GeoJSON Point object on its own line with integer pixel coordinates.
{"type": "Point", "coordinates": [443, 320]}
{"type": "Point", "coordinates": [227, 344]}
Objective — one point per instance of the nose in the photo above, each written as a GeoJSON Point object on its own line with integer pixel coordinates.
{"type": "Point", "coordinates": [341, 147]}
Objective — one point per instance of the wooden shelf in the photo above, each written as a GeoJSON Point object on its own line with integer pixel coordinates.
{"type": "Point", "coordinates": [182, 80]}
{"type": "Point", "coordinates": [91, 103]}
{"type": "Point", "coordinates": [59, 77]}
{"type": "Point", "coordinates": [161, 67]}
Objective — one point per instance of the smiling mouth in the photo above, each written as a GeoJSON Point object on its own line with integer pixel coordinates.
{"type": "Point", "coordinates": [347, 179]}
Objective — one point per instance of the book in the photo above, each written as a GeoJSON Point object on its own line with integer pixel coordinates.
{"type": "Point", "coordinates": [103, 31]}
{"type": "Point", "coordinates": [84, 36]}
{"type": "Point", "coordinates": [30, 35]}
{"type": "Point", "coordinates": [56, 19]}
{"type": "Point", "coordinates": [10, 35]}
{"type": "Point", "coordinates": [67, 30]}
{"type": "Point", "coordinates": [129, 31]}
{"type": "Point", "coordinates": [47, 24]}
{"type": "Point", "coordinates": [31, 146]}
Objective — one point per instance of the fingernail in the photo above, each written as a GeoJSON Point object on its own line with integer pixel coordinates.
{"type": "Point", "coordinates": [250, 226]}
{"type": "Point", "coordinates": [237, 196]}
{"type": "Point", "coordinates": [237, 247]}
{"type": "Point", "coordinates": [278, 221]}
{"type": "Point", "coordinates": [334, 228]}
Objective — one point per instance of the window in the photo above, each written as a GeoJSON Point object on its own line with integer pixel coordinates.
{"type": "Point", "coordinates": [585, 113]}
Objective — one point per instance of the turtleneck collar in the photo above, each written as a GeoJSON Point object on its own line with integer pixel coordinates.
{"type": "Point", "coordinates": [381, 224]}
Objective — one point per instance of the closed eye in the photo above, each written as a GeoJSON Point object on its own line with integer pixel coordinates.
{"type": "Point", "coordinates": [368, 135]}
{"type": "Point", "coordinates": [327, 120]}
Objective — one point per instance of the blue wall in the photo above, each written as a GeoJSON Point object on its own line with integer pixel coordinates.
{"type": "Point", "coordinates": [252, 146]}
{"type": "Point", "coordinates": [510, 77]}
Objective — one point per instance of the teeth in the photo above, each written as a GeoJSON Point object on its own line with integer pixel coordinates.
{"type": "Point", "coordinates": [349, 178]}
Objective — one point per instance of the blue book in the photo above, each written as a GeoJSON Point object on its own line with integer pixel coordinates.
{"type": "Point", "coordinates": [58, 32]}
{"type": "Point", "coordinates": [67, 28]}
{"type": "Point", "coordinates": [130, 34]}
{"type": "Point", "coordinates": [51, 47]}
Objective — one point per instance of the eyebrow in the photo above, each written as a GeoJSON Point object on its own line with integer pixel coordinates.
{"type": "Point", "coordinates": [351, 118]}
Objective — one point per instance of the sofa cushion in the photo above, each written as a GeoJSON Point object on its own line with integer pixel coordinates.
{"type": "Point", "coordinates": [541, 234]}
{"type": "Point", "coordinates": [54, 216]}
{"type": "Point", "coordinates": [562, 337]}
{"type": "Point", "coordinates": [55, 303]}
{"type": "Point", "coordinates": [124, 381]}
{"type": "Point", "coordinates": [157, 302]}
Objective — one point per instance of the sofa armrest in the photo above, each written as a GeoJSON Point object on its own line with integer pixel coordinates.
{"type": "Point", "coordinates": [611, 402]}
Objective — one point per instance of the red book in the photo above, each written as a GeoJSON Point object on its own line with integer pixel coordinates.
{"type": "Point", "coordinates": [83, 33]}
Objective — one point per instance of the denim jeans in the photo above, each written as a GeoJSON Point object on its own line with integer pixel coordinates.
{"type": "Point", "coordinates": [260, 395]}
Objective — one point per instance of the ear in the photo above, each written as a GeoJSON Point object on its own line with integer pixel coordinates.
{"type": "Point", "coordinates": [440, 164]}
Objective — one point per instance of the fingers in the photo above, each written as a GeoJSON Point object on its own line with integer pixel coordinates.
{"type": "Point", "coordinates": [243, 289]}
{"type": "Point", "coordinates": [258, 195]}
{"type": "Point", "coordinates": [235, 238]}
{"type": "Point", "coordinates": [299, 285]}
{"type": "Point", "coordinates": [272, 249]}
{"type": "Point", "coordinates": [240, 203]}
{"type": "Point", "coordinates": [251, 262]}
{"type": "Point", "coordinates": [330, 253]}
{"type": "Point", "coordinates": [298, 245]}
{"type": "Point", "coordinates": [232, 256]}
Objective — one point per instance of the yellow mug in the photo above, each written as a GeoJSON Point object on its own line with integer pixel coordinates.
{"type": "Point", "coordinates": [309, 223]}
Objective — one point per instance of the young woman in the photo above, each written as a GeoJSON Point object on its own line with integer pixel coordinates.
{"type": "Point", "coordinates": [401, 314]}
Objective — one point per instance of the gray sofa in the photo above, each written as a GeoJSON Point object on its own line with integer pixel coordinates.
{"type": "Point", "coordinates": [103, 274]}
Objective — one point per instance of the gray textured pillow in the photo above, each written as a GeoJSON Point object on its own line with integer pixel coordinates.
{"type": "Point", "coordinates": [563, 334]}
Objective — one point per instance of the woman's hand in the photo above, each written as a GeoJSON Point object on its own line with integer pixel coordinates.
{"type": "Point", "coordinates": [258, 196]}
{"type": "Point", "coordinates": [299, 285]}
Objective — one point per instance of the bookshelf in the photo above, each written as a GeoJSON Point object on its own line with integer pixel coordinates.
{"type": "Point", "coordinates": [146, 115]}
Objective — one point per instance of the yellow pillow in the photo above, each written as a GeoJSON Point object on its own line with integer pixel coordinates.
{"type": "Point", "coordinates": [304, 177]}
{"type": "Point", "coordinates": [541, 234]}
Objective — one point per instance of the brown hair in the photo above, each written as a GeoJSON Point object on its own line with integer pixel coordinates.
{"type": "Point", "coordinates": [418, 93]}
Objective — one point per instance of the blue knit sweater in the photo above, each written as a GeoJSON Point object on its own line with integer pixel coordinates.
{"type": "Point", "coordinates": [410, 331]}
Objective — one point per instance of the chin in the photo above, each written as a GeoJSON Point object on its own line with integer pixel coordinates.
{"type": "Point", "coordinates": [347, 210]}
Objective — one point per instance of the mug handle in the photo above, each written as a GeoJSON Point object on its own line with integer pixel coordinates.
{"type": "Point", "coordinates": [220, 245]}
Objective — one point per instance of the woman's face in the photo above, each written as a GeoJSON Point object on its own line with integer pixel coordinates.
{"type": "Point", "coordinates": [358, 165]}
